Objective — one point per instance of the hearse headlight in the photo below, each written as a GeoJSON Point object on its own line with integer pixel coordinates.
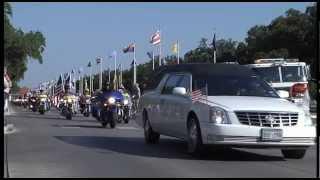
{"type": "Point", "coordinates": [218, 116]}
{"type": "Point", "coordinates": [308, 120]}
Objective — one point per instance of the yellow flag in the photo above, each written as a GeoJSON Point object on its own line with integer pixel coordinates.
{"type": "Point", "coordinates": [175, 48]}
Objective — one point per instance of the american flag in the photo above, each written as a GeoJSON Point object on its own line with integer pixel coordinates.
{"type": "Point", "coordinates": [155, 38]}
{"type": "Point", "coordinates": [197, 94]}
{"type": "Point", "coordinates": [59, 87]}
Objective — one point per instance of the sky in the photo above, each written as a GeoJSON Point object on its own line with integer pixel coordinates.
{"type": "Point", "coordinates": [77, 33]}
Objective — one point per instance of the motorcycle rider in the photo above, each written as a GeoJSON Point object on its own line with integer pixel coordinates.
{"type": "Point", "coordinates": [127, 103]}
{"type": "Point", "coordinates": [136, 96]}
{"type": "Point", "coordinates": [83, 99]}
{"type": "Point", "coordinates": [32, 99]}
{"type": "Point", "coordinates": [45, 96]}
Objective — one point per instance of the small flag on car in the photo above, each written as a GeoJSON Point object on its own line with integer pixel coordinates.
{"type": "Point", "coordinates": [198, 94]}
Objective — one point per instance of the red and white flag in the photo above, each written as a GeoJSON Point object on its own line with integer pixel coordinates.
{"type": "Point", "coordinates": [155, 38]}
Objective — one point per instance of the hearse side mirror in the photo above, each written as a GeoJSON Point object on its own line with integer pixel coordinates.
{"type": "Point", "coordinates": [283, 94]}
{"type": "Point", "coordinates": [179, 91]}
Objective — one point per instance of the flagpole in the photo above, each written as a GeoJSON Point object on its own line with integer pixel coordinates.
{"type": "Point", "coordinates": [178, 49]}
{"type": "Point", "coordinates": [134, 65]}
{"type": "Point", "coordinates": [215, 49]}
{"type": "Point", "coordinates": [109, 74]}
{"type": "Point", "coordinates": [152, 60]}
{"type": "Point", "coordinates": [120, 73]}
{"type": "Point", "coordinates": [160, 63]}
{"type": "Point", "coordinates": [90, 86]}
{"type": "Point", "coordinates": [115, 70]}
{"type": "Point", "coordinates": [100, 82]}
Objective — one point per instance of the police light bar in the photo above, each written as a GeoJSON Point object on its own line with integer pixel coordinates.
{"type": "Point", "coordinates": [275, 60]}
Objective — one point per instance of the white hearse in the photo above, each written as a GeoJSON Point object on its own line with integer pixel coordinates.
{"type": "Point", "coordinates": [223, 104]}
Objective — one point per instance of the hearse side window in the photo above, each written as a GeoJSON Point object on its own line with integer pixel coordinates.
{"type": "Point", "coordinates": [185, 82]}
{"type": "Point", "coordinates": [170, 84]}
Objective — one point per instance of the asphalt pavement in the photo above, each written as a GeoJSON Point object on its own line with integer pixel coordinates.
{"type": "Point", "coordinates": [51, 146]}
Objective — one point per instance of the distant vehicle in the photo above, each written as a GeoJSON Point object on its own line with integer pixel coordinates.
{"type": "Point", "coordinates": [223, 104]}
{"type": "Point", "coordinates": [286, 74]}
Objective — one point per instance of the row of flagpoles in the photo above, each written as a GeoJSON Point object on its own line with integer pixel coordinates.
{"type": "Point", "coordinates": [69, 78]}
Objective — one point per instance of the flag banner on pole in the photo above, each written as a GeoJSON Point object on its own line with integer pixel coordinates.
{"type": "Point", "coordinates": [214, 42]}
{"type": "Point", "coordinates": [129, 48]}
{"type": "Point", "coordinates": [155, 38]}
{"type": "Point", "coordinates": [174, 48]}
{"type": "Point", "coordinates": [132, 63]}
{"type": "Point", "coordinates": [80, 70]}
{"type": "Point", "coordinates": [89, 64]}
{"type": "Point", "coordinates": [65, 76]}
{"type": "Point", "coordinates": [149, 54]}
{"type": "Point", "coordinates": [98, 60]}
{"type": "Point", "coordinates": [59, 86]}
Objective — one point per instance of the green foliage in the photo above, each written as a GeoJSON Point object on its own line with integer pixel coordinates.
{"type": "Point", "coordinates": [19, 47]}
{"type": "Point", "coordinates": [290, 36]}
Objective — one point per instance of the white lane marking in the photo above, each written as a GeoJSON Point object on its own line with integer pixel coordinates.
{"type": "Point", "coordinates": [126, 127]}
{"type": "Point", "coordinates": [70, 127]}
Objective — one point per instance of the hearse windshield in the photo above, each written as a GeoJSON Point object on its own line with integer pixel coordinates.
{"type": "Point", "coordinates": [228, 85]}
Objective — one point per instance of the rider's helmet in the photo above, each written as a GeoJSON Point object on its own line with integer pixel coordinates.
{"type": "Point", "coordinates": [106, 87]}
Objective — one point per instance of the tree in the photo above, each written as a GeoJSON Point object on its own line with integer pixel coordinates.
{"type": "Point", "coordinates": [19, 47]}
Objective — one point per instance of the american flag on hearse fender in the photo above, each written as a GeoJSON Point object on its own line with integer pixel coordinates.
{"type": "Point", "coordinates": [198, 94]}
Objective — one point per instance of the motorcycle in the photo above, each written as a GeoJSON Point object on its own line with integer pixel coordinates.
{"type": "Point", "coordinates": [67, 107]}
{"type": "Point", "coordinates": [33, 104]}
{"type": "Point", "coordinates": [87, 108]}
{"type": "Point", "coordinates": [42, 105]}
{"type": "Point", "coordinates": [95, 107]}
{"type": "Point", "coordinates": [109, 112]}
{"type": "Point", "coordinates": [125, 111]}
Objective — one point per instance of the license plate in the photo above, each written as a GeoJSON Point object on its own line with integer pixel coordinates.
{"type": "Point", "coordinates": [271, 134]}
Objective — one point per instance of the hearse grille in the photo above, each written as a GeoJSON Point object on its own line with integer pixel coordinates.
{"type": "Point", "coordinates": [268, 119]}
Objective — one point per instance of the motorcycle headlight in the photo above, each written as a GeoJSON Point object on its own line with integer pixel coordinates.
{"type": "Point", "coordinates": [111, 100]}
{"type": "Point", "coordinates": [32, 100]}
{"type": "Point", "coordinates": [218, 116]}
{"type": "Point", "coordinates": [125, 102]}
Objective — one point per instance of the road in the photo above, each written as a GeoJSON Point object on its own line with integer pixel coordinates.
{"type": "Point", "coordinates": [51, 146]}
